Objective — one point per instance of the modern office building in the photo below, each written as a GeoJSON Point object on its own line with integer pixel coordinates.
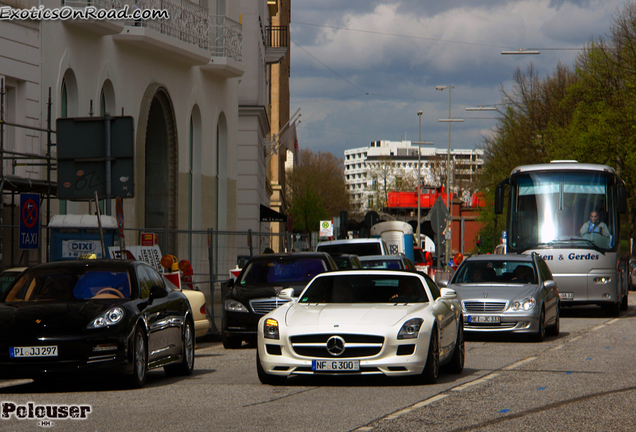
{"type": "Point", "coordinates": [394, 164]}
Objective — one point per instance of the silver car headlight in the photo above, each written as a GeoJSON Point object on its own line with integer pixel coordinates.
{"type": "Point", "coordinates": [410, 329]}
{"type": "Point", "coordinates": [270, 329]}
{"type": "Point", "coordinates": [108, 318]}
{"type": "Point", "coordinates": [526, 304]}
{"type": "Point", "coordinates": [234, 306]}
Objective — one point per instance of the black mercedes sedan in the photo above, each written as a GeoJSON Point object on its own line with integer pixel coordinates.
{"type": "Point", "coordinates": [255, 292]}
{"type": "Point", "coordinates": [94, 316]}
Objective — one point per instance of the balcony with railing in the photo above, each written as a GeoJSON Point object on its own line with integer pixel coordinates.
{"type": "Point", "coordinates": [99, 26]}
{"type": "Point", "coordinates": [226, 46]}
{"type": "Point", "coordinates": [277, 42]}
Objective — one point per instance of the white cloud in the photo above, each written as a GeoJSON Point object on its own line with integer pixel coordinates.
{"type": "Point", "coordinates": [452, 42]}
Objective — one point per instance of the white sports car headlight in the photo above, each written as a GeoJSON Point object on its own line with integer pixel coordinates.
{"type": "Point", "coordinates": [410, 329]}
{"type": "Point", "coordinates": [270, 329]}
{"type": "Point", "coordinates": [523, 305]}
{"type": "Point", "coordinates": [234, 306]}
{"type": "Point", "coordinates": [108, 318]}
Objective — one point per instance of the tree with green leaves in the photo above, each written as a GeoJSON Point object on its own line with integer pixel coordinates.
{"type": "Point", "coordinates": [315, 190]}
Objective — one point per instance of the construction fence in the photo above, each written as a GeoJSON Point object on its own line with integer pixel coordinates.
{"type": "Point", "coordinates": [211, 253]}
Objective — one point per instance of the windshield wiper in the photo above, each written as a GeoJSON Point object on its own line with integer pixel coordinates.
{"type": "Point", "coordinates": [588, 241]}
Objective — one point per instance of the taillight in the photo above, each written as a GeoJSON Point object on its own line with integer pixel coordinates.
{"type": "Point", "coordinates": [203, 309]}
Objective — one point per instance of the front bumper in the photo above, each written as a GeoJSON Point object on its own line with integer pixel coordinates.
{"type": "Point", "coordinates": [511, 322]}
{"type": "Point", "coordinates": [76, 355]}
{"type": "Point", "coordinates": [395, 358]}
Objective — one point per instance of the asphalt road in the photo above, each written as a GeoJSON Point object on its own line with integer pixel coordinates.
{"type": "Point", "coordinates": [582, 380]}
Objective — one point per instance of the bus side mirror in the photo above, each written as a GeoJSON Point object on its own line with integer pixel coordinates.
{"type": "Point", "coordinates": [622, 199]}
{"type": "Point", "coordinates": [499, 196]}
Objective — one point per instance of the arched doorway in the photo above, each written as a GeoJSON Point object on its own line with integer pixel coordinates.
{"type": "Point", "coordinates": [161, 162]}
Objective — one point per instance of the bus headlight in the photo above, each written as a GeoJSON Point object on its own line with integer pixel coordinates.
{"type": "Point", "coordinates": [523, 305]}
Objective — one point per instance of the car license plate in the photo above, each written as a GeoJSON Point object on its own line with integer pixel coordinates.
{"type": "Point", "coordinates": [484, 319]}
{"type": "Point", "coordinates": [37, 351]}
{"type": "Point", "coordinates": [566, 296]}
{"type": "Point", "coordinates": [335, 365]}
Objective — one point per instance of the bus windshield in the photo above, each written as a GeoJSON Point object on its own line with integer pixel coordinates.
{"type": "Point", "coordinates": [576, 208]}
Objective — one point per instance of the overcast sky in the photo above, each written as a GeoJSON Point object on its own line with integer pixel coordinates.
{"type": "Point", "coordinates": [362, 69]}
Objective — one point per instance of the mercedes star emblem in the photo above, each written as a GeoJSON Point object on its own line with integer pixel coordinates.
{"type": "Point", "coordinates": [335, 345]}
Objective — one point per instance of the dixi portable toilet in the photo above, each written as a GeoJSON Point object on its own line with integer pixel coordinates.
{"type": "Point", "coordinates": [75, 235]}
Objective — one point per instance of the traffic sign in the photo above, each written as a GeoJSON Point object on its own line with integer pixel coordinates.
{"type": "Point", "coordinates": [29, 221]}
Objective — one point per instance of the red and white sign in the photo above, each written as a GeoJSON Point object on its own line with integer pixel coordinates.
{"type": "Point", "coordinates": [149, 239]}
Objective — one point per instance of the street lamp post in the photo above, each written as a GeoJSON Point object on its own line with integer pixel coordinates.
{"type": "Point", "coordinates": [419, 177]}
{"type": "Point", "coordinates": [448, 170]}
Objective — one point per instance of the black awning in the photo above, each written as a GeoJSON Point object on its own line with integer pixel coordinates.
{"type": "Point", "coordinates": [269, 215]}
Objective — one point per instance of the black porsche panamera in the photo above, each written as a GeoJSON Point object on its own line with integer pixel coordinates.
{"type": "Point", "coordinates": [94, 316]}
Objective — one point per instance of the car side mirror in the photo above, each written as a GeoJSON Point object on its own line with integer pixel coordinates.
{"type": "Point", "coordinates": [443, 283]}
{"type": "Point", "coordinates": [230, 283]}
{"type": "Point", "coordinates": [286, 294]}
{"type": "Point", "coordinates": [448, 293]}
{"type": "Point", "coordinates": [157, 292]}
{"type": "Point", "coordinates": [549, 284]}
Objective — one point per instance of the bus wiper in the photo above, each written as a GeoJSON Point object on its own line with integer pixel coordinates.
{"type": "Point", "coordinates": [590, 242]}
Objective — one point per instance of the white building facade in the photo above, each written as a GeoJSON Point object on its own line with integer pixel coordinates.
{"type": "Point", "coordinates": [176, 78]}
{"type": "Point", "coordinates": [361, 168]}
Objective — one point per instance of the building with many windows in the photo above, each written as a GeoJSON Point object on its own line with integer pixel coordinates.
{"type": "Point", "coordinates": [384, 166]}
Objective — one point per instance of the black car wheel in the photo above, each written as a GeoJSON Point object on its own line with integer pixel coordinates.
{"type": "Point", "coordinates": [187, 362]}
{"type": "Point", "coordinates": [140, 360]}
{"type": "Point", "coordinates": [431, 370]}
{"type": "Point", "coordinates": [540, 334]}
{"type": "Point", "coordinates": [266, 378]}
{"type": "Point", "coordinates": [456, 364]}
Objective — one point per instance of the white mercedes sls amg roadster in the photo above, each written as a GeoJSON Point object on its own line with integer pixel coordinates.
{"type": "Point", "coordinates": [363, 322]}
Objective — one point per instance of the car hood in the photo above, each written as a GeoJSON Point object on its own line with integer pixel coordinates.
{"type": "Point", "coordinates": [382, 315]}
{"type": "Point", "coordinates": [494, 291]}
{"type": "Point", "coordinates": [44, 317]}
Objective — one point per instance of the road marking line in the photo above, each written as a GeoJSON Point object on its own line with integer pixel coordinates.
{"type": "Point", "coordinates": [598, 327]}
{"type": "Point", "coordinates": [556, 348]}
{"type": "Point", "coordinates": [519, 363]}
{"type": "Point", "coordinates": [472, 383]}
{"type": "Point", "coordinates": [612, 321]}
{"type": "Point", "coordinates": [573, 339]}
{"type": "Point", "coordinates": [415, 406]}
{"type": "Point", "coordinates": [364, 428]}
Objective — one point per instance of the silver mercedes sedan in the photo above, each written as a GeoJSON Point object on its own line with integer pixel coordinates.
{"type": "Point", "coordinates": [508, 293]}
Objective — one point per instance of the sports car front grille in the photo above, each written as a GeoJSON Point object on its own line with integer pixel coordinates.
{"type": "Point", "coordinates": [264, 306]}
{"type": "Point", "coordinates": [484, 306]}
{"type": "Point", "coordinates": [356, 346]}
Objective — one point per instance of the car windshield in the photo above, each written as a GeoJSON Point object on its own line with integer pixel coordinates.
{"type": "Point", "coordinates": [70, 284]}
{"type": "Point", "coordinates": [282, 270]}
{"type": "Point", "coordinates": [496, 272]}
{"type": "Point", "coordinates": [365, 289]}
{"type": "Point", "coordinates": [387, 264]}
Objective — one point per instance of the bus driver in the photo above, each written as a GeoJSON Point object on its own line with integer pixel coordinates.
{"type": "Point", "coordinates": [594, 226]}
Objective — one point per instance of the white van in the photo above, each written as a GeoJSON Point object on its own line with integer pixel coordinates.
{"type": "Point", "coordinates": [360, 247]}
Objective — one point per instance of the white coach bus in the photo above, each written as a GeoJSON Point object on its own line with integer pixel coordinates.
{"type": "Point", "coordinates": [568, 212]}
